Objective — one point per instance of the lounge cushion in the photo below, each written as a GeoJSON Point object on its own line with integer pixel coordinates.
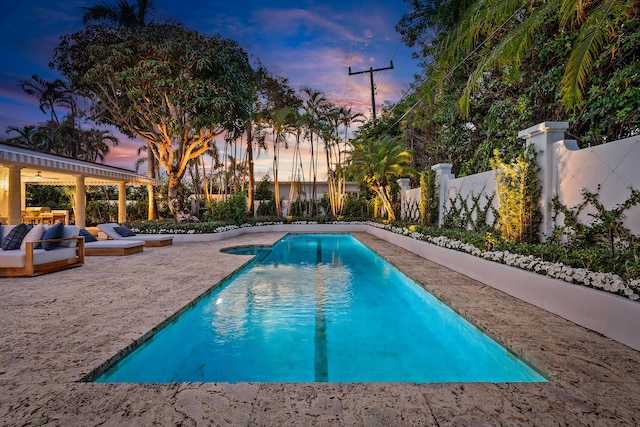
{"type": "Point", "coordinates": [56, 231]}
{"type": "Point", "coordinates": [108, 229]}
{"type": "Point", "coordinates": [13, 240]}
{"type": "Point", "coordinates": [124, 231]}
{"type": "Point", "coordinates": [34, 234]}
{"type": "Point", "coordinates": [88, 237]}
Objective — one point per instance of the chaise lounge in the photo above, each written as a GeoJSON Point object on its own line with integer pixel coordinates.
{"type": "Point", "coordinates": [118, 232]}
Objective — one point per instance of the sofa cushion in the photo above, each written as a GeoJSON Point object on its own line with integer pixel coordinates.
{"type": "Point", "coordinates": [88, 237]}
{"type": "Point", "coordinates": [40, 256]}
{"type": "Point", "coordinates": [124, 231]}
{"type": "Point", "coordinates": [34, 234]}
{"type": "Point", "coordinates": [67, 232]}
{"type": "Point", "coordinates": [53, 232]}
{"type": "Point", "coordinates": [13, 240]}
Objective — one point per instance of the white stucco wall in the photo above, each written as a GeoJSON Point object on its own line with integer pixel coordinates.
{"type": "Point", "coordinates": [470, 186]}
{"type": "Point", "coordinates": [614, 166]}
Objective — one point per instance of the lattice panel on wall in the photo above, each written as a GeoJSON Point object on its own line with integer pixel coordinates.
{"type": "Point", "coordinates": [614, 166]}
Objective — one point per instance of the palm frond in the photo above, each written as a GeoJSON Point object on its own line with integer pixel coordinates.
{"type": "Point", "coordinates": [508, 53]}
{"type": "Point", "coordinates": [593, 35]}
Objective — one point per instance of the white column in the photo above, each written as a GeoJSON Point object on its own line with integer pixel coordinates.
{"type": "Point", "coordinates": [80, 208]}
{"type": "Point", "coordinates": [15, 195]}
{"type": "Point", "coordinates": [443, 175]}
{"type": "Point", "coordinates": [122, 203]}
{"type": "Point", "coordinates": [543, 136]}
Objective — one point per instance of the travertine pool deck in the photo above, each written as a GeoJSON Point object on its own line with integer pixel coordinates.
{"type": "Point", "coordinates": [57, 328]}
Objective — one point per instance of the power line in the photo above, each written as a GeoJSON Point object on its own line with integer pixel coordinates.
{"type": "Point", "coordinates": [353, 44]}
{"type": "Point", "coordinates": [373, 89]}
{"type": "Point", "coordinates": [458, 64]}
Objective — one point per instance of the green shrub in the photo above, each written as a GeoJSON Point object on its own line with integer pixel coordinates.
{"type": "Point", "coordinates": [518, 195]}
{"type": "Point", "coordinates": [234, 209]}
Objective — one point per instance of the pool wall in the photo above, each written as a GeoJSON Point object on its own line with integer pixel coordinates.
{"type": "Point", "coordinates": [611, 315]}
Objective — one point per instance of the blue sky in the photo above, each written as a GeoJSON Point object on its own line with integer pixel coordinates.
{"type": "Point", "coordinates": [310, 42]}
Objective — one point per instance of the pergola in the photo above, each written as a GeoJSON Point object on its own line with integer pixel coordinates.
{"type": "Point", "coordinates": [19, 166]}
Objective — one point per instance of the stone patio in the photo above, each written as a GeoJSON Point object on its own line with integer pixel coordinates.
{"type": "Point", "coordinates": [59, 327]}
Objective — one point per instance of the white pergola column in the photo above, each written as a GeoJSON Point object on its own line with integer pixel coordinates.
{"type": "Point", "coordinates": [14, 195]}
{"type": "Point", "coordinates": [122, 202]}
{"type": "Point", "coordinates": [80, 209]}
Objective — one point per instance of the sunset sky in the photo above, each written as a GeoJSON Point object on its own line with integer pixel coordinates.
{"type": "Point", "coordinates": [310, 42]}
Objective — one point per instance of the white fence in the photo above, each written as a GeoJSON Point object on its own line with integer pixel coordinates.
{"type": "Point", "coordinates": [611, 170]}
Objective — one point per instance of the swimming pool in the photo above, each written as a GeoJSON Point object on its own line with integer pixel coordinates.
{"type": "Point", "coordinates": [318, 308]}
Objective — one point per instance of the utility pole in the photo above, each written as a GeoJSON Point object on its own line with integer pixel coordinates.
{"type": "Point", "coordinates": [373, 90]}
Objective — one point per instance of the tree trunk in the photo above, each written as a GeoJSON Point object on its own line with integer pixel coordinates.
{"type": "Point", "coordinates": [251, 173]}
{"type": "Point", "coordinates": [276, 183]}
{"type": "Point", "coordinates": [151, 173]}
{"type": "Point", "coordinates": [382, 192]}
{"type": "Point", "coordinates": [175, 205]}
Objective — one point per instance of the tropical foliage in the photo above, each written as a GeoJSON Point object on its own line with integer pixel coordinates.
{"type": "Point", "coordinates": [174, 87]}
{"type": "Point", "coordinates": [495, 67]}
{"type": "Point", "coordinates": [518, 195]}
{"type": "Point", "coordinates": [376, 162]}
{"type": "Point", "coordinates": [63, 133]}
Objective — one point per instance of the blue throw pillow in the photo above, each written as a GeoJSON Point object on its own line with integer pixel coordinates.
{"type": "Point", "coordinates": [15, 237]}
{"type": "Point", "coordinates": [54, 232]}
{"type": "Point", "coordinates": [88, 237]}
{"type": "Point", "coordinates": [124, 231]}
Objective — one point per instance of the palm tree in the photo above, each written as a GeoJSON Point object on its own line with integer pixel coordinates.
{"type": "Point", "coordinates": [50, 94]}
{"type": "Point", "coordinates": [281, 119]}
{"type": "Point", "coordinates": [122, 14]}
{"type": "Point", "coordinates": [94, 146]}
{"type": "Point", "coordinates": [297, 126]}
{"type": "Point", "coordinates": [314, 106]}
{"type": "Point", "coordinates": [511, 29]}
{"type": "Point", "coordinates": [597, 22]}
{"type": "Point", "coordinates": [27, 136]}
{"type": "Point", "coordinates": [375, 161]}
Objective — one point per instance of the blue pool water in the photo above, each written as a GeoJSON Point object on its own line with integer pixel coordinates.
{"type": "Point", "coordinates": [318, 308]}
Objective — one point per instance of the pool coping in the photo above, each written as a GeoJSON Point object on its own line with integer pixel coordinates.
{"type": "Point", "coordinates": [58, 327]}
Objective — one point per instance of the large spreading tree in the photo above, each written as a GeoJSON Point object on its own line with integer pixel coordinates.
{"type": "Point", "coordinates": [174, 87]}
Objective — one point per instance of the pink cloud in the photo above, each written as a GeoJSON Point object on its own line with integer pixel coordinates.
{"type": "Point", "coordinates": [287, 21]}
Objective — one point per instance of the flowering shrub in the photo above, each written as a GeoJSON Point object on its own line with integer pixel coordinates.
{"type": "Point", "coordinates": [604, 281]}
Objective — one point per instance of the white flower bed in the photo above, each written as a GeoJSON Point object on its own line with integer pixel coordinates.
{"type": "Point", "coordinates": [603, 281]}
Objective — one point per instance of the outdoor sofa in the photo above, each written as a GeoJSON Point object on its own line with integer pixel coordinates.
{"type": "Point", "coordinates": [30, 252]}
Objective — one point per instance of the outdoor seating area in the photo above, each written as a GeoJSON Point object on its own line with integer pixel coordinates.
{"type": "Point", "coordinates": [44, 215]}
